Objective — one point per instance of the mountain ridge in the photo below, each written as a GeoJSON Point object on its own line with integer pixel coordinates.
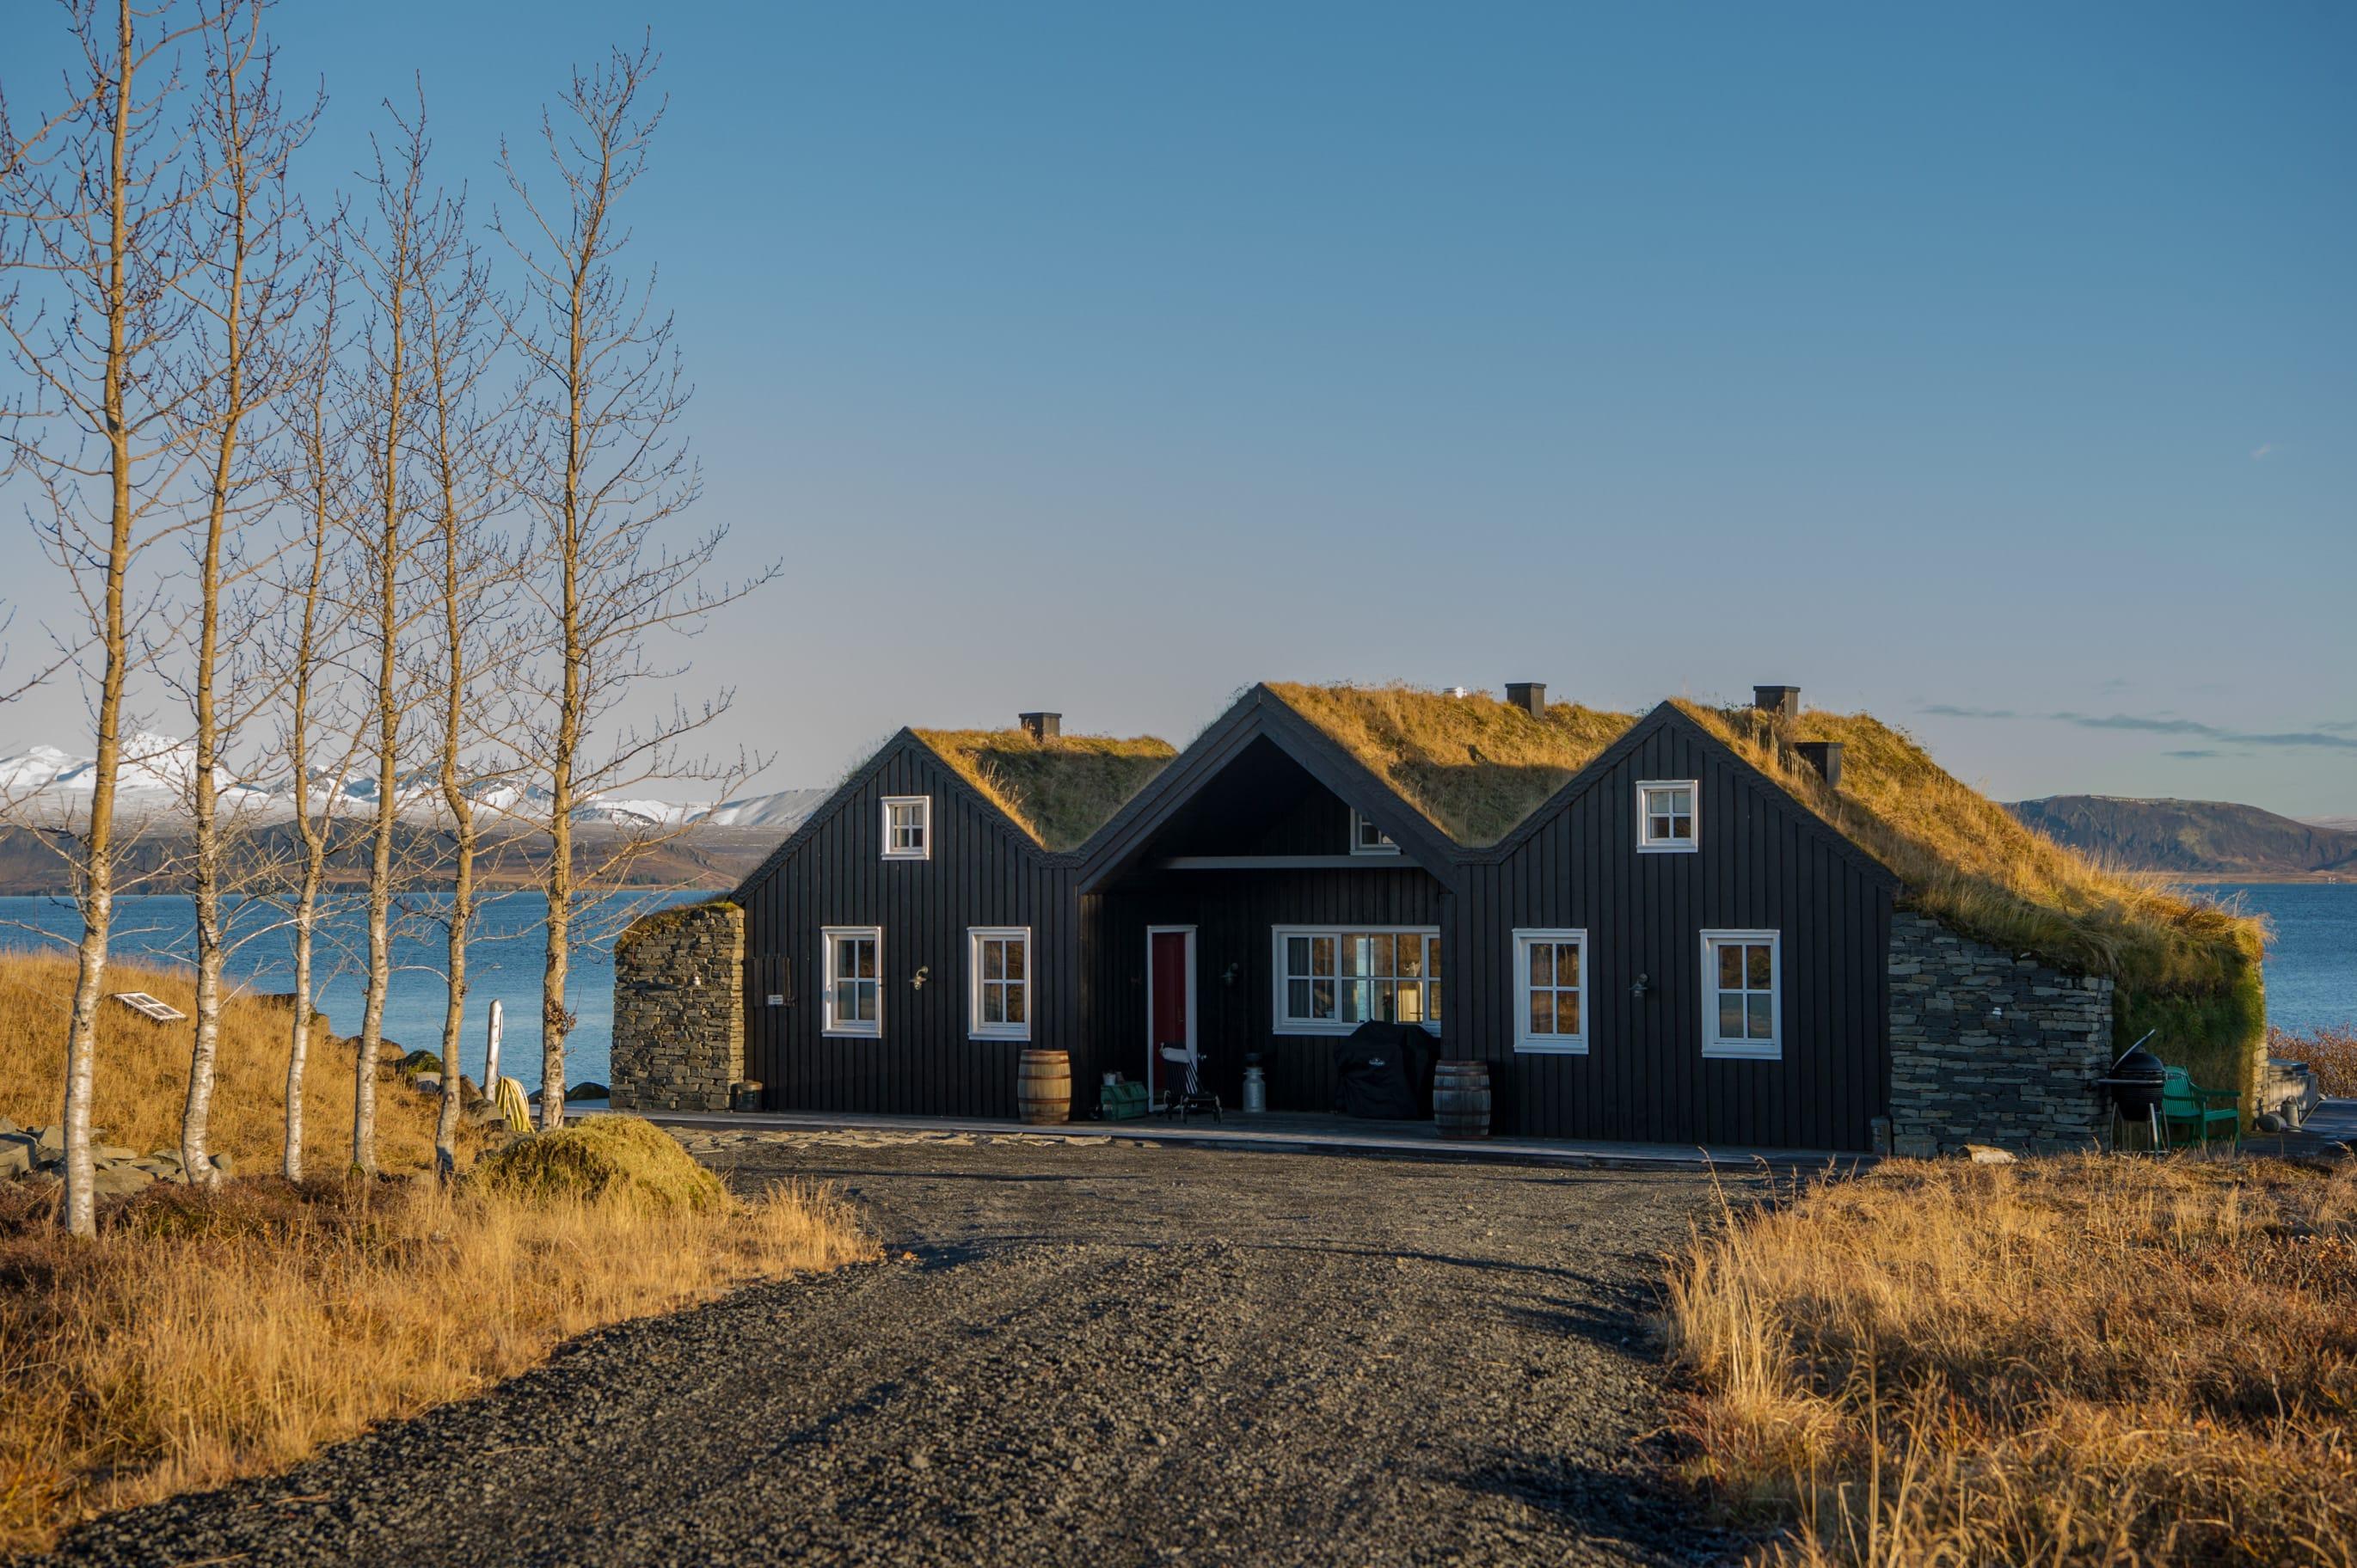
{"type": "Point", "coordinates": [2193, 838]}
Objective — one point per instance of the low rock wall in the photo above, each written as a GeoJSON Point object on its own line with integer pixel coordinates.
{"type": "Point", "coordinates": [679, 1009]}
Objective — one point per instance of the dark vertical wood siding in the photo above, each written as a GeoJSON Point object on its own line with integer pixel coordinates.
{"type": "Point", "coordinates": [1761, 864]}
{"type": "Point", "coordinates": [982, 872]}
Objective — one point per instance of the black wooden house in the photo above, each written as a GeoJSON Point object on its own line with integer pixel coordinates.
{"type": "Point", "coordinates": [1644, 934]}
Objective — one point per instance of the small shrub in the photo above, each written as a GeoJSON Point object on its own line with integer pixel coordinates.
{"type": "Point", "coordinates": [602, 1158]}
{"type": "Point", "coordinates": [2330, 1053]}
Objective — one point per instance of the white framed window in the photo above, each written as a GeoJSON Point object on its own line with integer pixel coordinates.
{"type": "Point", "coordinates": [1328, 981]}
{"type": "Point", "coordinates": [1551, 968]}
{"type": "Point", "coordinates": [853, 1000]}
{"type": "Point", "coordinates": [908, 827]}
{"type": "Point", "coordinates": [1667, 815]}
{"type": "Point", "coordinates": [998, 987]}
{"type": "Point", "coordinates": [1742, 995]}
{"type": "Point", "coordinates": [1367, 838]}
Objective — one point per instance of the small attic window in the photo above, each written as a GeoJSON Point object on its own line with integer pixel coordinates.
{"type": "Point", "coordinates": [1367, 838]}
{"type": "Point", "coordinates": [908, 827]}
{"type": "Point", "coordinates": [1665, 815]}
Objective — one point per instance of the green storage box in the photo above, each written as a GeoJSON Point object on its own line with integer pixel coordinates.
{"type": "Point", "coordinates": [1123, 1101]}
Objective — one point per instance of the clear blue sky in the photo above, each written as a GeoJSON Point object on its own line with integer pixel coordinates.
{"type": "Point", "coordinates": [1991, 368]}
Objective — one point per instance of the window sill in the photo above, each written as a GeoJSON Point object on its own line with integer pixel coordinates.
{"type": "Point", "coordinates": [994, 1038]}
{"type": "Point", "coordinates": [1770, 1052]}
{"type": "Point", "coordinates": [905, 856]}
{"type": "Point", "coordinates": [1550, 1047]}
{"type": "Point", "coordinates": [851, 1034]}
{"type": "Point", "coordinates": [1335, 1031]}
{"type": "Point", "coordinates": [1689, 847]}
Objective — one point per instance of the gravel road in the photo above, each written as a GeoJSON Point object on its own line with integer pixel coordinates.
{"type": "Point", "coordinates": [1080, 1353]}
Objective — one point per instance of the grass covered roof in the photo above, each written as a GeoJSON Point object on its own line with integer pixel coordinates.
{"type": "Point", "coordinates": [1477, 766]}
{"type": "Point", "coordinates": [1059, 791]}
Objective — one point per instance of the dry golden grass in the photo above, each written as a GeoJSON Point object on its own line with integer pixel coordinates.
{"type": "Point", "coordinates": [202, 1339]}
{"type": "Point", "coordinates": [143, 1073]}
{"type": "Point", "coordinates": [2333, 1053]}
{"type": "Point", "coordinates": [2086, 1360]}
{"type": "Point", "coordinates": [1474, 764]}
{"type": "Point", "coordinates": [1060, 790]}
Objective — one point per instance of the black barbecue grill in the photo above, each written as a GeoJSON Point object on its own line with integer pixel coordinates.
{"type": "Point", "coordinates": [2136, 1084]}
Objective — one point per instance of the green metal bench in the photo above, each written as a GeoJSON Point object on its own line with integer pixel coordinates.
{"type": "Point", "coordinates": [2194, 1115]}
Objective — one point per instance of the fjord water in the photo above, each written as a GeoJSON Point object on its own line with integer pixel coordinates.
{"type": "Point", "coordinates": [503, 961]}
{"type": "Point", "coordinates": [2311, 948]}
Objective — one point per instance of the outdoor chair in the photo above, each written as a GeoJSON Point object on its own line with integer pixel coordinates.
{"type": "Point", "coordinates": [2195, 1115]}
{"type": "Point", "coordinates": [1194, 1097]}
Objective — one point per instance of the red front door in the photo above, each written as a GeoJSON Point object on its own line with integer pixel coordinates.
{"type": "Point", "coordinates": [1170, 1006]}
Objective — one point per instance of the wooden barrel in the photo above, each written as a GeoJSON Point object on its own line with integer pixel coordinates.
{"type": "Point", "coordinates": [1043, 1086]}
{"type": "Point", "coordinates": [1461, 1098]}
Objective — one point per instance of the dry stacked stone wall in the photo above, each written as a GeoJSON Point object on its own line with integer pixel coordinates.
{"type": "Point", "coordinates": [1989, 1048]}
{"type": "Point", "coordinates": [679, 1009]}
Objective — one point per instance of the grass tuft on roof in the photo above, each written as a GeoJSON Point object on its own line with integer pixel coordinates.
{"type": "Point", "coordinates": [1058, 790]}
{"type": "Point", "coordinates": [1474, 765]}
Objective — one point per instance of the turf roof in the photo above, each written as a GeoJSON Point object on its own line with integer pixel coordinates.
{"type": "Point", "coordinates": [1059, 791]}
{"type": "Point", "coordinates": [1478, 767]}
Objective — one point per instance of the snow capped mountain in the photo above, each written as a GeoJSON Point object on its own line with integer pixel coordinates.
{"type": "Point", "coordinates": [42, 786]}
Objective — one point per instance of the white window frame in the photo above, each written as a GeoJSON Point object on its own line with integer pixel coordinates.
{"type": "Point", "coordinates": [975, 1028]}
{"type": "Point", "coordinates": [1770, 1049]}
{"type": "Point", "coordinates": [857, 1029]}
{"type": "Point", "coordinates": [924, 804]}
{"type": "Point", "coordinates": [1686, 846]}
{"type": "Point", "coordinates": [1360, 822]}
{"type": "Point", "coordinates": [1525, 1038]}
{"type": "Point", "coordinates": [1281, 1022]}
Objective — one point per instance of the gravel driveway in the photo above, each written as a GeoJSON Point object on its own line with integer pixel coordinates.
{"type": "Point", "coordinates": [1089, 1354]}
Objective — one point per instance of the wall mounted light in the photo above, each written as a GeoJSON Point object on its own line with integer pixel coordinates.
{"type": "Point", "coordinates": [1227, 975]}
{"type": "Point", "coordinates": [1644, 984]}
{"type": "Point", "coordinates": [924, 970]}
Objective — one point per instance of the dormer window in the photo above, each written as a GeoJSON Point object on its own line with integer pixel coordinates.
{"type": "Point", "coordinates": [1666, 816]}
{"type": "Point", "coordinates": [1367, 838]}
{"type": "Point", "coordinates": [908, 827]}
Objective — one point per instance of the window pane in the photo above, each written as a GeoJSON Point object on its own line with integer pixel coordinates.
{"type": "Point", "coordinates": [863, 1001]}
{"type": "Point", "coordinates": [1353, 954]}
{"type": "Point", "coordinates": [1730, 1014]}
{"type": "Point", "coordinates": [1321, 955]}
{"type": "Point", "coordinates": [1411, 956]}
{"type": "Point", "coordinates": [867, 958]}
{"type": "Point", "coordinates": [1682, 827]}
{"type": "Point", "coordinates": [1542, 963]}
{"type": "Point", "coordinates": [1379, 956]}
{"type": "Point", "coordinates": [1566, 1012]}
{"type": "Point", "coordinates": [1017, 950]}
{"type": "Point", "coordinates": [1763, 1017]}
{"type": "Point", "coordinates": [1014, 1004]}
{"type": "Point", "coordinates": [1541, 1012]}
{"type": "Point", "coordinates": [1296, 955]}
{"type": "Point", "coordinates": [1432, 961]}
{"type": "Point", "coordinates": [1567, 964]}
{"type": "Point", "coordinates": [841, 961]}
{"type": "Point", "coordinates": [1681, 802]}
{"type": "Point", "coordinates": [1432, 1002]}
{"type": "Point", "coordinates": [1297, 999]}
{"type": "Point", "coordinates": [1730, 966]}
{"type": "Point", "coordinates": [1762, 966]}
{"type": "Point", "coordinates": [1408, 1002]}
{"type": "Point", "coordinates": [993, 960]}
{"type": "Point", "coordinates": [1321, 999]}
{"type": "Point", "coordinates": [993, 1004]}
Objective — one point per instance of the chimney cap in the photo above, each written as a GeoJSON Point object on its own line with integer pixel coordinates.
{"type": "Point", "coordinates": [1041, 724]}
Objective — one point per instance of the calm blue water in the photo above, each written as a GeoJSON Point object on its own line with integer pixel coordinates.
{"type": "Point", "coordinates": [2312, 955]}
{"type": "Point", "coordinates": [502, 961]}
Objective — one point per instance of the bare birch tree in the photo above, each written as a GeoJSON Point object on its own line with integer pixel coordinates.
{"type": "Point", "coordinates": [608, 485]}
{"type": "Point", "coordinates": [248, 295]}
{"type": "Point", "coordinates": [95, 223]}
{"type": "Point", "coordinates": [465, 441]}
{"type": "Point", "coordinates": [315, 728]}
{"type": "Point", "coordinates": [411, 238]}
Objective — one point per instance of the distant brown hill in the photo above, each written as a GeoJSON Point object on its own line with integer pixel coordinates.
{"type": "Point", "coordinates": [31, 862]}
{"type": "Point", "coordinates": [2191, 837]}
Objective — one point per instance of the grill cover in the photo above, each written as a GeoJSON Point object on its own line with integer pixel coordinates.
{"type": "Point", "coordinates": [1381, 1071]}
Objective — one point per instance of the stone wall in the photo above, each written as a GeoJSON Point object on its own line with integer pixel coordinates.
{"type": "Point", "coordinates": [1990, 1049]}
{"type": "Point", "coordinates": [679, 1009]}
